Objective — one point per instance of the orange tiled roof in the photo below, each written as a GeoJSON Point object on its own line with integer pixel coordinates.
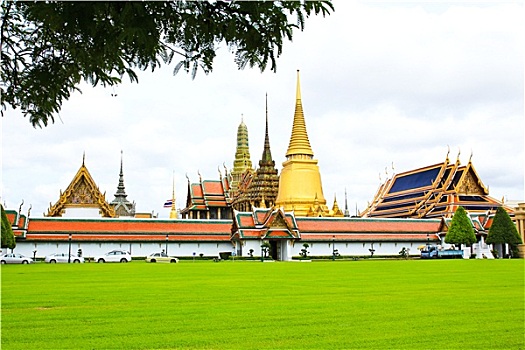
{"type": "Point", "coordinates": [44, 225]}
{"type": "Point", "coordinates": [336, 225]}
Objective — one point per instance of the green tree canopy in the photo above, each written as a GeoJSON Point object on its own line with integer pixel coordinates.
{"type": "Point", "coordinates": [460, 230]}
{"type": "Point", "coordinates": [503, 230]}
{"type": "Point", "coordinates": [8, 238]}
{"type": "Point", "coordinates": [48, 48]}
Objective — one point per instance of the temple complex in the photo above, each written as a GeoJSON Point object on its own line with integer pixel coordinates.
{"type": "Point", "coordinates": [82, 198]}
{"type": "Point", "coordinates": [121, 205]}
{"type": "Point", "coordinates": [433, 191]}
{"type": "Point", "coordinates": [248, 211]}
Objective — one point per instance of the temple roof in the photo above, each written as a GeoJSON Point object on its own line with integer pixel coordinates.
{"type": "Point", "coordinates": [82, 192]}
{"type": "Point", "coordinates": [432, 191]}
{"type": "Point", "coordinates": [264, 224]}
{"type": "Point", "coordinates": [206, 194]}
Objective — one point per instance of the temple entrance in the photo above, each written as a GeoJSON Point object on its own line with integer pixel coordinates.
{"type": "Point", "coordinates": [275, 250]}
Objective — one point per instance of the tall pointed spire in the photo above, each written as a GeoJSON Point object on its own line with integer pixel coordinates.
{"type": "Point", "coordinates": [121, 191]}
{"type": "Point", "coordinates": [173, 211]}
{"type": "Point", "coordinates": [267, 154]}
{"type": "Point", "coordinates": [262, 189]}
{"type": "Point", "coordinates": [347, 212]}
{"type": "Point", "coordinates": [300, 185]}
{"type": "Point", "coordinates": [123, 207]}
{"type": "Point", "coordinates": [299, 143]}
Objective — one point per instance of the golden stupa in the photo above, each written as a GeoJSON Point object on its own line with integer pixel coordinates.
{"type": "Point", "coordinates": [300, 187]}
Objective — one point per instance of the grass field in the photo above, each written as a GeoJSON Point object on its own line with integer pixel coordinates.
{"type": "Point", "coordinates": [396, 304]}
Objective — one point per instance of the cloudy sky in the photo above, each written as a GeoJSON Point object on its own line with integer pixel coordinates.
{"type": "Point", "coordinates": [382, 83]}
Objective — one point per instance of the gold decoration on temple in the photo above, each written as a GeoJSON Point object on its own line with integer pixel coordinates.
{"type": "Point", "coordinates": [300, 187]}
{"type": "Point", "coordinates": [82, 192]}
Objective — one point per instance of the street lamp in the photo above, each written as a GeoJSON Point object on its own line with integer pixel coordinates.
{"type": "Point", "coordinates": [333, 248]}
{"type": "Point", "coordinates": [69, 256]}
{"type": "Point", "coordinates": [167, 238]}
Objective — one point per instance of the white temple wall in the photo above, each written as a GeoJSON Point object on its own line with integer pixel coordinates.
{"type": "Point", "coordinates": [186, 249]}
{"type": "Point", "coordinates": [137, 249]}
{"type": "Point", "coordinates": [356, 248]}
{"type": "Point", "coordinates": [81, 213]}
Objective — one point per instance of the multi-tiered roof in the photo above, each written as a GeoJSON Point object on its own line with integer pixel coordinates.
{"type": "Point", "coordinates": [432, 192]}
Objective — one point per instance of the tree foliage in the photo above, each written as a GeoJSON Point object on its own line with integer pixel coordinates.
{"type": "Point", "coordinates": [460, 230]}
{"type": "Point", "coordinates": [503, 230]}
{"type": "Point", "coordinates": [48, 48]}
{"type": "Point", "coordinates": [8, 238]}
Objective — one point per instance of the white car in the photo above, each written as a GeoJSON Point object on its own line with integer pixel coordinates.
{"type": "Point", "coordinates": [114, 256]}
{"type": "Point", "coordinates": [63, 258]}
{"type": "Point", "coordinates": [161, 257]}
{"type": "Point", "coordinates": [13, 258]}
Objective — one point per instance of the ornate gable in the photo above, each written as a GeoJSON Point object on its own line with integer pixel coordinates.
{"type": "Point", "coordinates": [470, 183]}
{"type": "Point", "coordinates": [82, 192]}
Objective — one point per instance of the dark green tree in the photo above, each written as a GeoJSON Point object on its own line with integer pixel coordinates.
{"type": "Point", "coordinates": [503, 230]}
{"type": "Point", "coordinates": [265, 247]}
{"type": "Point", "coordinates": [8, 238]}
{"type": "Point", "coordinates": [48, 48]}
{"type": "Point", "coordinates": [304, 251]}
{"type": "Point", "coordinates": [460, 230]}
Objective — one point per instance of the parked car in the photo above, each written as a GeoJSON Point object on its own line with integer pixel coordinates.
{"type": "Point", "coordinates": [13, 258]}
{"type": "Point", "coordinates": [63, 258]}
{"type": "Point", "coordinates": [161, 257]}
{"type": "Point", "coordinates": [114, 256]}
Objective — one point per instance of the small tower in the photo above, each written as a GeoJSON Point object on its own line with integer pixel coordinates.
{"type": "Point", "coordinates": [263, 188]}
{"type": "Point", "coordinates": [173, 211]}
{"type": "Point", "coordinates": [242, 162]}
{"type": "Point", "coordinates": [122, 206]}
{"type": "Point", "coordinates": [347, 212]}
{"type": "Point", "coordinates": [300, 185]}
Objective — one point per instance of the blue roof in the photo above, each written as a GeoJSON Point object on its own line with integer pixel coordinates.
{"type": "Point", "coordinates": [416, 180]}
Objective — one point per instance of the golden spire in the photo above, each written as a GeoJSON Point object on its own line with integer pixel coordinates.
{"type": "Point", "coordinates": [299, 143]}
{"type": "Point", "coordinates": [173, 211]}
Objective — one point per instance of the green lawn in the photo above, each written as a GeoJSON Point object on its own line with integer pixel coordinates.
{"type": "Point", "coordinates": [390, 304]}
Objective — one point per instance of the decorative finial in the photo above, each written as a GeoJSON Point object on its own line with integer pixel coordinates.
{"type": "Point", "coordinates": [393, 170]}
{"type": "Point", "coordinates": [220, 173]}
{"type": "Point", "coordinates": [173, 193]}
{"type": "Point", "coordinates": [470, 158]}
{"type": "Point", "coordinates": [83, 158]}
{"type": "Point", "coordinates": [448, 151]}
{"type": "Point", "coordinates": [20, 207]}
{"type": "Point", "coordinates": [200, 177]}
{"type": "Point", "coordinates": [459, 152]}
{"type": "Point", "coordinates": [29, 210]}
{"type": "Point", "coordinates": [187, 178]}
{"type": "Point", "coordinates": [225, 170]}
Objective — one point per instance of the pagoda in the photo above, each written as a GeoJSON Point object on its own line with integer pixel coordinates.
{"type": "Point", "coordinates": [259, 189]}
{"type": "Point", "coordinates": [300, 188]}
{"type": "Point", "coordinates": [242, 165]}
{"type": "Point", "coordinates": [121, 205]}
{"type": "Point", "coordinates": [82, 198]}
